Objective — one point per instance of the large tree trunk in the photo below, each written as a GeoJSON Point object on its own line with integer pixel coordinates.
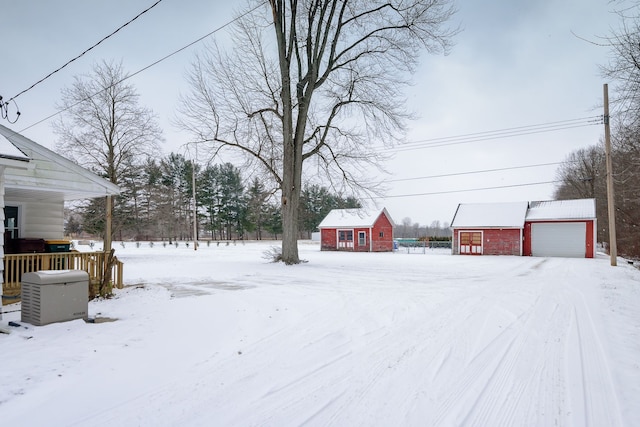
{"type": "Point", "coordinates": [291, 182]}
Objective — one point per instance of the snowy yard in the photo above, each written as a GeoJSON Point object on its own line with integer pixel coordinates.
{"type": "Point", "coordinates": [221, 337]}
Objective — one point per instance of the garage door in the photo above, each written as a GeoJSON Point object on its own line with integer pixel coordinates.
{"type": "Point", "coordinates": [559, 239]}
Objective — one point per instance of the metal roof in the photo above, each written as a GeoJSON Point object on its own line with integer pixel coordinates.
{"type": "Point", "coordinates": [562, 209]}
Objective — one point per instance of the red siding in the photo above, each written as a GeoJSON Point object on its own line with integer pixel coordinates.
{"type": "Point", "coordinates": [328, 239]}
{"type": "Point", "coordinates": [495, 241]}
{"type": "Point", "coordinates": [501, 242]}
{"type": "Point", "coordinates": [382, 243]}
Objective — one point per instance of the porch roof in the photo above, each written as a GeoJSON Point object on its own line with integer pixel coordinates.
{"type": "Point", "coordinates": [49, 176]}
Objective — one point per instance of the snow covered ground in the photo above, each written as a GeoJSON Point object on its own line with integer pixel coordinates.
{"type": "Point", "coordinates": [222, 337]}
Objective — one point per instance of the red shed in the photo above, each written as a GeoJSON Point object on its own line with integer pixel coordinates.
{"type": "Point", "coordinates": [488, 228]}
{"type": "Point", "coordinates": [356, 230]}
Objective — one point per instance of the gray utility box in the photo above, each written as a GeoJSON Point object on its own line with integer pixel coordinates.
{"type": "Point", "coordinates": [54, 296]}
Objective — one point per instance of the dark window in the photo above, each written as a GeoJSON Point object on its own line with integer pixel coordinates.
{"type": "Point", "coordinates": [345, 235]}
{"type": "Point", "coordinates": [382, 234]}
{"type": "Point", "coordinates": [11, 221]}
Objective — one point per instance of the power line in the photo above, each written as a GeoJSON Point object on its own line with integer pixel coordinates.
{"type": "Point", "coordinates": [148, 66]}
{"type": "Point", "coordinates": [497, 134]}
{"type": "Point", "coordinates": [87, 50]}
{"type": "Point", "coordinates": [474, 172]}
{"type": "Point", "coordinates": [466, 190]}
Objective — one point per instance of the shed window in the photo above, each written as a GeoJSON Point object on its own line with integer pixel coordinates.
{"type": "Point", "coordinates": [382, 234]}
{"type": "Point", "coordinates": [345, 235]}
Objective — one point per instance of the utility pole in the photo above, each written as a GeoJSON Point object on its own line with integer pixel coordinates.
{"type": "Point", "coordinates": [195, 205]}
{"type": "Point", "coordinates": [613, 248]}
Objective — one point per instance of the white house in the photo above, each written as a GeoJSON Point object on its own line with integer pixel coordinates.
{"type": "Point", "coordinates": [34, 184]}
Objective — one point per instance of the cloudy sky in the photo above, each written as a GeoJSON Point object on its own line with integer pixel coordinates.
{"type": "Point", "coordinates": [517, 71]}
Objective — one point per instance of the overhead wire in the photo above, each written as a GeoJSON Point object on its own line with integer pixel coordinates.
{"type": "Point", "coordinates": [85, 51]}
{"type": "Point", "coordinates": [496, 134]}
{"type": "Point", "coordinates": [474, 172]}
{"type": "Point", "coordinates": [413, 145]}
{"type": "Point", "coordinates": [199, 39]}
{"type": "Point", "coordinates": [432, 193]}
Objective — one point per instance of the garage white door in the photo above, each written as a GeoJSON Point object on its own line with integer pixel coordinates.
{"type": "Point", "coordinates": [566, 239]}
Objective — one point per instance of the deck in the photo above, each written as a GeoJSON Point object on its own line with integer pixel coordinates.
{"type": "Point", "coordinates": [15, 265]}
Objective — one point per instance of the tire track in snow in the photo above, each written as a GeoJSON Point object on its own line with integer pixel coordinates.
{"type": "Point", "coordinates": [521, 373]}
{"type": "Point", "coordinates": [601, 406]}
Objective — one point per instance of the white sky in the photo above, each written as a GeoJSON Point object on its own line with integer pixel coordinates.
{"type": "Point", "coordinates": [516, 63]}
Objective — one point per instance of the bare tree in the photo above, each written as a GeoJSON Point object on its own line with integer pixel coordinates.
{"type": "Point", "coordinates": [624, 66]}
{"type": "Point", "coordinates": [314, 79]}
{"type": "Point", "coordinates": [103, 128]}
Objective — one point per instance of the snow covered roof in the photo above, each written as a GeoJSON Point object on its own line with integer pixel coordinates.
{"type": "Point", "coordinates": [562, 209]}
{"type": "Point", "coordinates": [352, 218]}
{"type": "Point", "coordinates": [10, 151]}
{"type": "Point", "coordinates": [490, 215]}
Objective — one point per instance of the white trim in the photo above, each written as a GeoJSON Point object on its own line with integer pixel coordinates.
{"type": "Point", "coordinates": [521, 241]}
{"type": "Point", "coordinates": [594, 242]}
{"type": "Point", "coordinates": [365, 238]}
{"type": "Point", "coordinates": [348, 244]}
{"type": "Point", "coordinates": [371, 239]}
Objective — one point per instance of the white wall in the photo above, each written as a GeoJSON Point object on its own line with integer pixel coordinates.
{"type": "Point", "coordinates": [40, 219]}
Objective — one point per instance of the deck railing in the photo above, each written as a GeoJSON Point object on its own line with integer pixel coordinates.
{"type": "Point", "coordinates": [15, 265]}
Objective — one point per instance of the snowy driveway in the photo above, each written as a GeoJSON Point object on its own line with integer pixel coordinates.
{"type": "Point", "coordinates": [221, 337]}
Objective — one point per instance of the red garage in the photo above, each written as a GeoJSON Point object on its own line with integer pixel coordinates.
{"type": "Point", "coordinates": [356, 230]}
{"type": "Point", "coordinates": [556, 228]}
{"type": "Point", "coordinates": [564, 228]}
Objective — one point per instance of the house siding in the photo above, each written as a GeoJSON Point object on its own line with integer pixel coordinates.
{"type": "Point", "coordinates": [40, 219]}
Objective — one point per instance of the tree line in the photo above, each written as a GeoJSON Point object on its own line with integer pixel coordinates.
{"type": "Point", "coordinates": [156, 203]}
{"type": "Point", "coordinates": [583, 174]}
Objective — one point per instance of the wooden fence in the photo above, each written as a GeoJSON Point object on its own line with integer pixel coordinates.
{"type": "Point", "coordinates": [15, 265]}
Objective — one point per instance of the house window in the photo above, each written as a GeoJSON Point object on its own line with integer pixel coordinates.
{"type": "Point", "coordinates": [382, 234]}
{"type": "Point", "coordinates": [11, 221]}
{"type": "Point", "coordinates": [362, 238]}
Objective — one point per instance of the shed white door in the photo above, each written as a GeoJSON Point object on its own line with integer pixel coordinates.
{"type": "Point", "coordinates": [562, 239]}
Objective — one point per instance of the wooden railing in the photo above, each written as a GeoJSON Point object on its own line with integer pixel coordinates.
{"type": "Point", "coordinates": [15, 265]}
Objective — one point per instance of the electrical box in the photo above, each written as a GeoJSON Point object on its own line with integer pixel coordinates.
{"type": "Point", "coordinates": [54, 296]}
